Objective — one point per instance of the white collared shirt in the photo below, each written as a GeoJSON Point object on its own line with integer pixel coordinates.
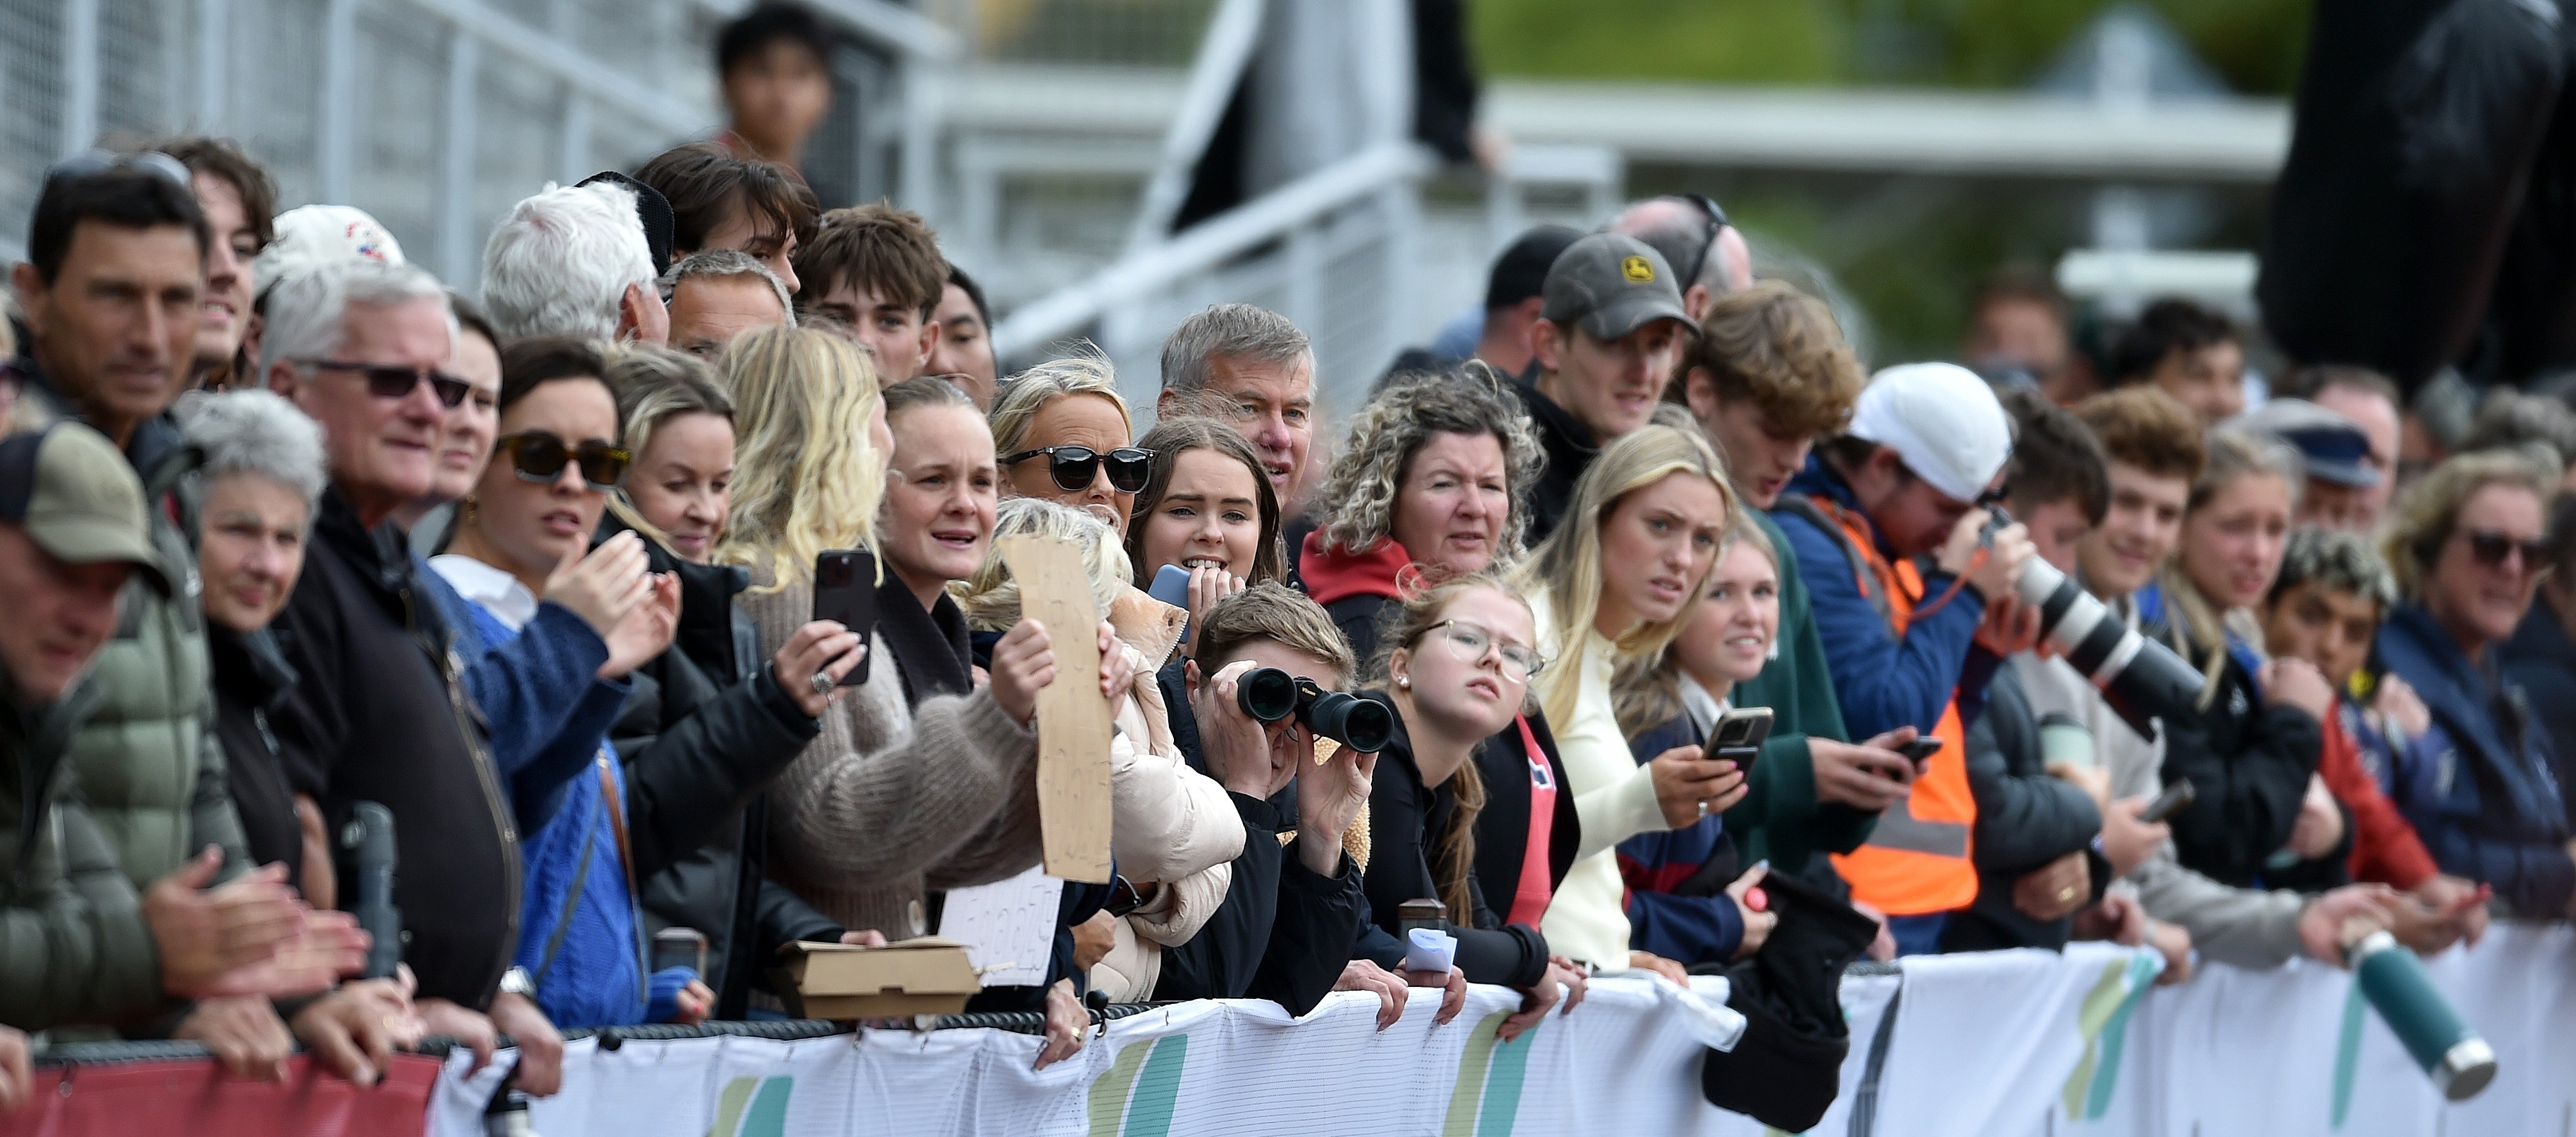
{"type": "Point", "coordinates": [496, 591]}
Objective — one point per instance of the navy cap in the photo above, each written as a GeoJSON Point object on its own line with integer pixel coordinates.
{"type": "Point", "coordinates": [2331, 446]}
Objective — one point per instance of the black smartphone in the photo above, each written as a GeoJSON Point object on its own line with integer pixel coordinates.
{"type": "Point", "coordinates": [1738, 736]}
{"type": "Point", "coordinates": [845, 591]}
{"type": "Point", "coordinates": [2176, 798]}
{"type": "Point", "coordinates": [1921, 749]}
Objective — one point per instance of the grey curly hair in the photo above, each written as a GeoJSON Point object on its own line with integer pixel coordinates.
{"type": "Point", "coordinates": [254, 431]}
{"type": "Point", "coordinates": [1358, 500]}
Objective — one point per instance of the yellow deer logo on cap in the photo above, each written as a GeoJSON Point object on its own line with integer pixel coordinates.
{"type": "Point", "coordinates": [1636, 270]}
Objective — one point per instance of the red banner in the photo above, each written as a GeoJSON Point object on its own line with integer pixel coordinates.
{"type": "Point", "coordinates": [194, 1098]}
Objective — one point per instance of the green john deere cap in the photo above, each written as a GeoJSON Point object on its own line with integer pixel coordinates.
{"type": "Point", "coordinates": [78, 499]}
{"type": "Point", "coordinates": [1611, 284]}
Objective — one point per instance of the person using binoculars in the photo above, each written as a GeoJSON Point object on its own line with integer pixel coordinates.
{"type": "Point", "coordinates": [1912, 590]}
{"type": "Point", "coordinates": [1457, 668]}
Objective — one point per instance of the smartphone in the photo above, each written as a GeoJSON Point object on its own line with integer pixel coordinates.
{"type": "Point", "coordinates": [1171, 586]}
{"type": "Point", "coordinates": [2176, 798]}
{"type": "Point", "coordinates": [845, 590]}
{"type": "Point", "coordinates": [1744, 728]}
{"type": "Point", "coordinates": [1921, 749]}
{"type": "Point", "coordinates": [680, 947]}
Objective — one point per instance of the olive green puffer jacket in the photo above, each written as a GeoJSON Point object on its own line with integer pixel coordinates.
{"type": "Point", "coordinates": [73, 944]}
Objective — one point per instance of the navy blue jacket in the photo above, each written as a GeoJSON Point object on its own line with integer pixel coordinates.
{"type": "Point", "coordinates": [1692, 929]}
{"type": "Point", "coordinates": [2487, 803]}
{"type": "Point", "coordinates": [1882, 681]}
{"type": "Point", "coordinates": [2542, 661]}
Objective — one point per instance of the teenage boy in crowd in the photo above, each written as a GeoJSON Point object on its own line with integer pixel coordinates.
{"type": "Point", "coordinates": [2188, 352]}
{"type": "Point", "coordinates": [2155, 450]}
{"type": "Point", "coordinates": [1611, 327]}
{"type": "Point", "coordinates": [2037, 861]}
{"type": "Point", "coordinates": [774, 65]}
{"type": "Point", "coordinates": [1769, 374]}
{"type": "Point", "coordinates": [1926, 442]}
{"type": "Point", "coordinates": [719, 201]}
{"type": "Point", "coordinates": [964, 352]}
{"type": "Point", "coordinates": [2326, 608]}
{"type": "Point", "coordinates": [240, 202]}
{"type": "Point", "coordinates": [876, 270]}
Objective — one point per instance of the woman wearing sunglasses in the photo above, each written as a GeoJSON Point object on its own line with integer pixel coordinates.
{"type": "Point", "coordinates": [712, 720]}
{"type": "Point", "coordinates": [2252, 750]}
{"type": "Point", "coordinates": [1458, 670]}
{"type": "Point", "coordinates": [533, 510]}
{"type": "Point", "coordinates": [1061, 432]}
{"type": "Point", "coordinates": [2468, 550]}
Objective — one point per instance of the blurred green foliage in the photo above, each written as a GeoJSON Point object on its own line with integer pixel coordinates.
{"type": "Point", "coordinates": [2255, 44]}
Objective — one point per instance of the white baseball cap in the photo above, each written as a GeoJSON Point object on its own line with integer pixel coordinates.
{"type": "Point", "coordinates": [1942, 420]}
{"type": "Point", "coordinates": [309, 236]}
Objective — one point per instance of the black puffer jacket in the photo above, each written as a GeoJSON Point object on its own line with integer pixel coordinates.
{"type": "Point", "coordinates": [2026, 818]}
{"type": "Point", "coordinates": [702, 735]}
{"type": "Point", "coordinates": [2249, 766]}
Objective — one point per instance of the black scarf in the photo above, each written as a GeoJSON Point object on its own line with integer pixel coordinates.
{"type": "Point", "coordinates": [928, 644]}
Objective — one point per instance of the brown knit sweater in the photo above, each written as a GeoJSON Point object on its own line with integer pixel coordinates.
{"type": "Point", "coordinates": [885, 804]}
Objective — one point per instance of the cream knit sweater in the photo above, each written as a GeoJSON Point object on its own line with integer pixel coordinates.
{"type": "Point", "coordinates": [885, 804]}
{"type": "Point", "coordinates": [1614, 797]}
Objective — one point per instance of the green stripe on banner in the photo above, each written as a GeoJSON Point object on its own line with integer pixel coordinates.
{"type": "Point", "coordinates": [1109, 1094]}
{"type": "Point", "coordinates": [1470, 1089]}
{"type": "Point", "coordinates": [729, 1103]}
{"type": "Point", "coordinates": [1503, 1085]}
{"type": "Point", "coordinates": [1158, 1088]}
{"type": "Point", "coordinates": [2143, 969]}
{"type": "Point", "coordinates": [2347, 1056]}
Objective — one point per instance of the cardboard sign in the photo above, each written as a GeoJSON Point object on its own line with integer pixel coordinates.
{"type": "Point", "coordinates": [1073, 720]}
{"type": "Point", "coordinates": [925, 975]}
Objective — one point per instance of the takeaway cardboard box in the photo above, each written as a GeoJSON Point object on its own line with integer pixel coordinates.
{"type": "Point", "coordinates": [922, 976]}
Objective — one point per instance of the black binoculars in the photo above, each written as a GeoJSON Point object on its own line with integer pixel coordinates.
{"type": "Point", "coordinates": [1272, 695]}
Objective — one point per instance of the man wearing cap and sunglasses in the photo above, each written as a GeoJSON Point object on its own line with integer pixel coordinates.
{"type": "Point", "coordinates": [1610, 331]}
{"type": "Point", "coordinates": [1915, 611]}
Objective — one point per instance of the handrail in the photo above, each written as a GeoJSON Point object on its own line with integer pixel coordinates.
{"type": "Point", "coordinates": [569, 63]}
{"type": "Point", "coordinates": [1210, 243]}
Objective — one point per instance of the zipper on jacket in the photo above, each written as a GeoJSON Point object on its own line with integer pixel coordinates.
{"type": "Point", "coordinates": [444, 662]}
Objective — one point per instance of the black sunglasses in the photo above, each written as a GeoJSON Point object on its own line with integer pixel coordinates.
{"type": "Point", "coordinates": [2490, 548]}
{"type": "Point", "coordinates": [540, 457]}
{"type": "Point", "coordinates": [394, 381]}
{"type": "Point", "coordinates": [1715, 217]}
{"type": "Point", "coordinates": [1074, 467]}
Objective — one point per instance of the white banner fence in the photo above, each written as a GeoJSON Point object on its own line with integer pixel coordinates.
{"type": "Point", "coordinates": [2001, 1044]}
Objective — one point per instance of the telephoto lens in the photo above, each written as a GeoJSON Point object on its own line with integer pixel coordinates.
{"type": "Point", "coordinates": [2139, 677]}
{"type": "Point", "coordinates": [1267, 693]}
{"type": "Point", "coordinates": [2394, 982]}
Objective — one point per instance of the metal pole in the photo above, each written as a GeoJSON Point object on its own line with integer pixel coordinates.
{"type": "Point", "coordinates": [214, 74]}
{"type": "Point", "coordinates": [80, 76]}
{"type": "Point", "coordinates": [456, 252]}
{"type": "Point", "coordinates": [334, 166]}
{"type": "Point", "coordinates": [573, 158]}
{"type": "Point", "coordinates": [1225, 50]}
{"type": "Point", "coordinates": [920, 142]}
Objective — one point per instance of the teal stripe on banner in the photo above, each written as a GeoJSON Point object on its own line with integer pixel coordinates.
{"type": "Point", "coordinates": [1503, 1085]}
{"type": "Point", "coordinates": [2347, 1056]}
{"type": "Point", "coordinates": [1158, 1088]}
{"type": "Point", "coordinates": [767, 1116]}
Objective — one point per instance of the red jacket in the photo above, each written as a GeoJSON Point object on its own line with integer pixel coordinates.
{"type": "Point", "coordinates": [2385, 849]}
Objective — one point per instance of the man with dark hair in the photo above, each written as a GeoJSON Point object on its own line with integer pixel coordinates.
{"type": "Point", "coordinates": [775, 66]}
{"type": "Point", "coordinates": [239, 199]}
{"type": "Point", "coordinates": [1611, 328]}
{"type": "Point", "coordinates": [2191, 352]}
{"type": "Point", "coordinates": [2017, 323]}
{"type": "Point", "coordinates": [1707, 252]}
{"type": "Point", "coordinates": [878, 270]}
{"type": "Point", "coordinates": [963, 354]}
{"type": "Point", "coordinates": [1513, 298]}
{"type": "Point", "coordinates": [719, 201]}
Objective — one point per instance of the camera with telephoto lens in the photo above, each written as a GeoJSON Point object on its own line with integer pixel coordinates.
{"type": "Point", "coordinates": [1272, 695]}
{"type": "Point", "coordinates": [2139, 677]}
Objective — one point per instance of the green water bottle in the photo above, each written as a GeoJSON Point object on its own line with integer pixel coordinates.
{"type": "Point", "coordinates": [2396, 985]}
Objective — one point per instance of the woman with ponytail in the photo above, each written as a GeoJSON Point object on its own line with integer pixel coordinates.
{"type": "Point", "coordinates": [2251, 752]}
{"type": "Point", "coordinates": [1460, 660]}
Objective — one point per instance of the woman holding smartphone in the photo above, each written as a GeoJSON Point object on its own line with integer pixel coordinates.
{"type": "Point", "coordinates": [1676, 700]}
{"type": "Point", "coordinates": [1614, 583]}
{"type": "Point", "coordinates": [1461, 658]}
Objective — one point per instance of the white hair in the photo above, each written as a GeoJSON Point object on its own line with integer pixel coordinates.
{"type": "Point", "coordinates": [561, 261]}
{"type": "Point", "coordinates": [307, 314]}
{"type": "Point", "coordinates": [255, 432]}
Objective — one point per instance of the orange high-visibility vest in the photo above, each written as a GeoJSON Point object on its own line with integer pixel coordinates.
{"type": "Point", "coordinates": [1916, 861]}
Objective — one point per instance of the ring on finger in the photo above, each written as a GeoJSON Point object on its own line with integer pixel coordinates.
{"type": "Point", "coordinates": [822, 682]}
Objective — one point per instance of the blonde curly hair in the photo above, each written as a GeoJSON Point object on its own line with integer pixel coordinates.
{"type": "Point", "coordinates": [806, 475]}
{"type": "Point", "coordinates": [1358, 499]}
{"type": "Point", "coordinates": [991, 599]}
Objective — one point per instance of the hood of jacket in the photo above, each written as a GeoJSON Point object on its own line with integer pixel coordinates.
{"type": "Point", "coordinates": [1332, 574]}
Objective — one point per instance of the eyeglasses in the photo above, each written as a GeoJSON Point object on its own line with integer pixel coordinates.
{"type": "Point", "coordinates": [540, 457]}
{"type": "Point", "coordinates": [1469, 643]}
{"type": "Point", "coordinates": [394, 381]}
{"type": "Point", "coordinates": [2490, 548]}
{"type": "Point", "coordinates": [97, 162]}
{"type": "Point", "coordinates": [1074, 467]}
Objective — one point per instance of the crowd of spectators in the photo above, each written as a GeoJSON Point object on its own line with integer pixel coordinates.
{"type": "Point", "coordinates": [297, 538]}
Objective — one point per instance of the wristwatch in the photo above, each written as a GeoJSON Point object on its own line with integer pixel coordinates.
{"type": "Point", "coordinates": [515, 981]}
{"type": "Point", "coordinates": [1123, 897]}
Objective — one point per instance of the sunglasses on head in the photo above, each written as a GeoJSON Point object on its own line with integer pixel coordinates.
{"type": "Point", "coordinates": [2490, 548]}
{"type": "Point", "coordinates": [540, 457]}
{"type": "Point", "coordinates": [394, 381]}
{"type": "Point", "coordinates": [1074, 467]}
